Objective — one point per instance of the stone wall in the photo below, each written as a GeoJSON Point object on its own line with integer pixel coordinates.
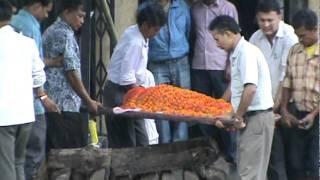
{"type": "Point", "coordinates": [190, 160]}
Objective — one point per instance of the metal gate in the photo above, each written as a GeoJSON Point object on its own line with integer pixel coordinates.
{"type": "Point", "coordinates": [93, 64]}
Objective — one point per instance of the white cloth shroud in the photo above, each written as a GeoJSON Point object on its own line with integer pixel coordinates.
{"type": "Point", "coordinates": [150, 124]}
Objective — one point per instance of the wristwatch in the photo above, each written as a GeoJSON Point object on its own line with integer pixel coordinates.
{"type": "Point", "coordinates": [42, 97]}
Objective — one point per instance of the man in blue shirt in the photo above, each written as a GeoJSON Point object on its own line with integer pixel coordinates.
{"type": "Point", "coordinates": [168, 60]}
{"type": "Point", "coordinates": [28, 22]}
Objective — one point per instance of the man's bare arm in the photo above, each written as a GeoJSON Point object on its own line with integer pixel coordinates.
{"type": "Point", "coordinates": [74, 79]}
{"type": "Point", "coordinates": [246, 99]}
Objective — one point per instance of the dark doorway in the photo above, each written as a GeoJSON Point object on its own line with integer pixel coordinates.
{"type": "Point", "coordinates": [246, 11]}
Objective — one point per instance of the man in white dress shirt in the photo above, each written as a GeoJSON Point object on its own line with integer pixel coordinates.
{"type": "Point", "coordinates": [20, 73]}
{"type": "Point", "coordinates": [127, 69]}
{"type": "Point", "coordinates": [274, 39]}
{"type": "Point", "coordinates": [251, 98]}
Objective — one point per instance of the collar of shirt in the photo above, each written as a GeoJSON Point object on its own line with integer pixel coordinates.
{"type": "Point", "coordinates": [63, 23]}
{"type": "Point", "coordinates": [144, 42]}
{"type": "Point", "coordinates": [280, 33]}
{"type": "Point", "coordinates": [174, 4]}
{"type": "Point", "coordinates": [215, 4]}
{"type": "Point", "coordinates": [236, 50]}
{"type": "Point", "coordinates": [6, 28]}
{"type": "Point", "coordinates": [27, 14]}
{"type": "Point", "coordinates": [311, 50]}
{"type": "Point", "coordinates": [301, 49]}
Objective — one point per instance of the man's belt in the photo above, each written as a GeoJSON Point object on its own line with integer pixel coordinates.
{"type": "Point", "coordinates": [255, 112]}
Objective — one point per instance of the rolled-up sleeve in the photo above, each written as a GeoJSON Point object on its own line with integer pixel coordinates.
{"type": "Point", "coordinates": [38, 74]}
{"type": "Point", "coordinates": [287, 81]}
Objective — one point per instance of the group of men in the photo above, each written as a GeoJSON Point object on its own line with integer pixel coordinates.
{"type": "Point", "coordinates": [44, 70]}
{"type": "Point", "coordinates": [272, 82]}
{"type": "Point", "coordinates": [268, 74]}
{"type": "Point", "coordinates": [275, 70]}
{"type": "Point", "coordinates": [263, 82]}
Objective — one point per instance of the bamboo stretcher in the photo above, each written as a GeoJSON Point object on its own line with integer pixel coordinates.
{"type": "Point", "coordinates": [169, 117]}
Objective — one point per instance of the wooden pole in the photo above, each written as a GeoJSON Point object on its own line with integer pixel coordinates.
{"type": "Point", "coordinates": [178, 118]}
{"type": "Point", "coordinates": [110, 25]}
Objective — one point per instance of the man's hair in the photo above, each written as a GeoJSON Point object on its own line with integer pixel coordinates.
{"type": "Point", "coordinates": [305, 18]}
{"type": "Point", "coordinates": [151, 13]}
{"type": "Point", "coordinates": [224, 23]}
{"type": "Point", "coordinates": [5, 10]}
{"type": "Point", "coordinates": [30, 2]}
{"type": "Point", "coordinates": [268, 6]}
{"type": "Point", "coordinates": [69, 5]}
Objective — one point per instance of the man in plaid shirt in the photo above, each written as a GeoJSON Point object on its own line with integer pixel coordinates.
{"type": "Point", "coordinates": [302, 85]}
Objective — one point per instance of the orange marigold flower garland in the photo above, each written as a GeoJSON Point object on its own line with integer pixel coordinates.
{"type": "Point", "coordinates": [175, 101]}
